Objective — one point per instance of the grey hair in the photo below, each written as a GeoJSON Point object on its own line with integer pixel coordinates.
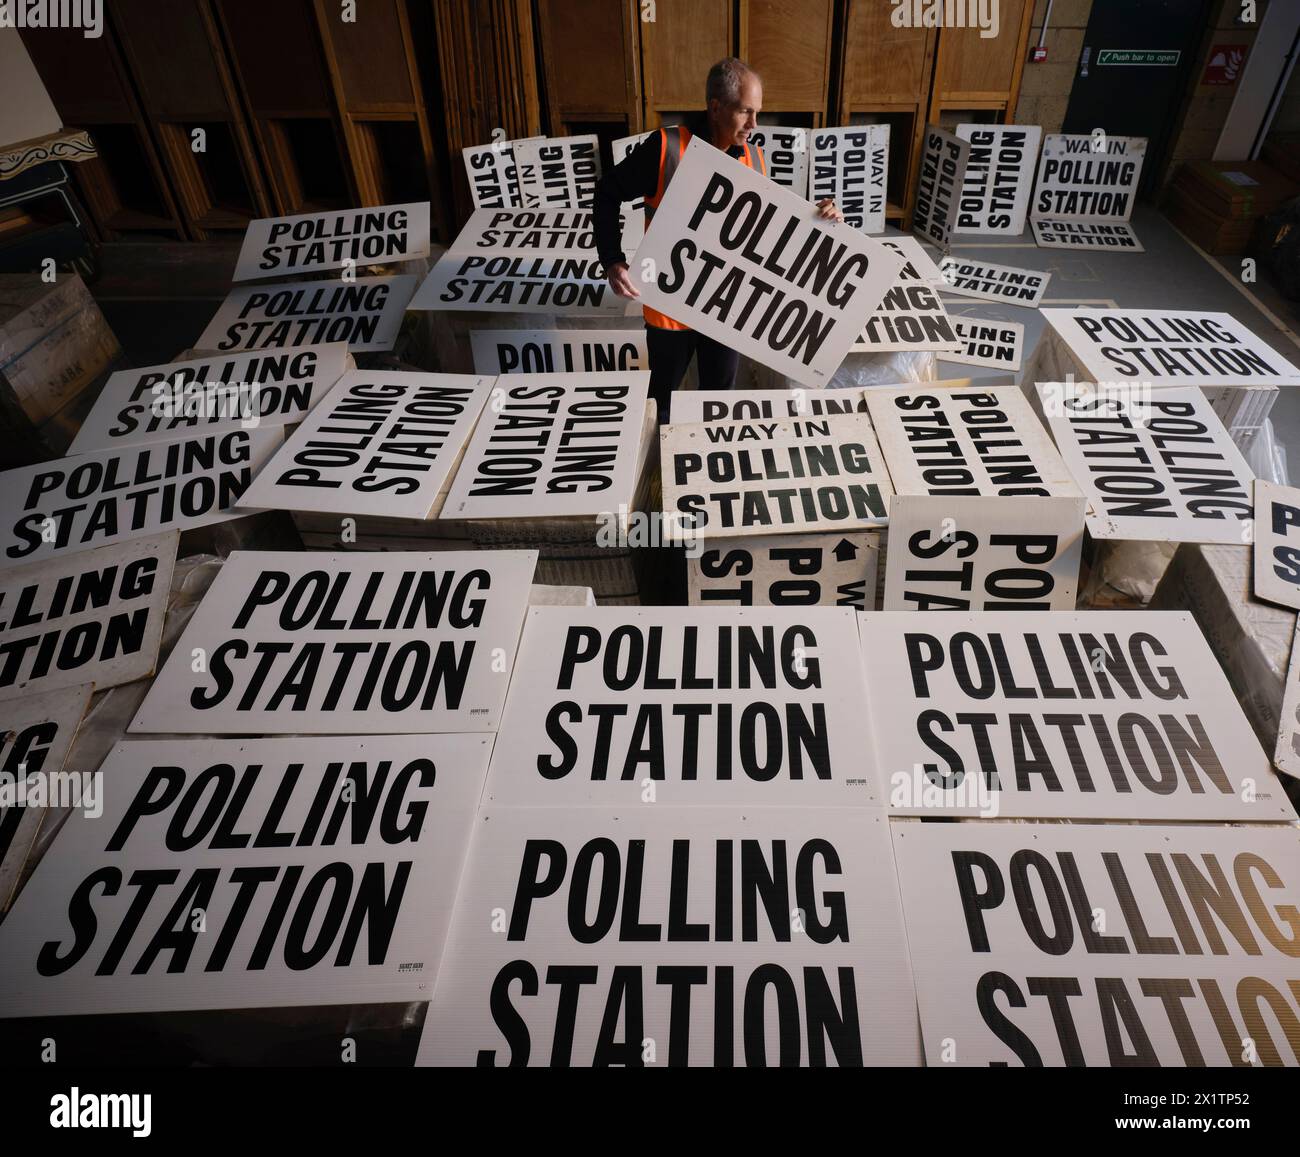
{"type": "Point", "coordinates": [725, 79]}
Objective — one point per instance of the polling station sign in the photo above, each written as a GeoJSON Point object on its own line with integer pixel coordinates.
{"type": "Point", "coordinates": [1110, 236]}
{"type": "Point", "coordinates": [91, 617]}
{"type": "Point", "coordinates": [380, 443]}
{"type": "Point", "coordinates": [749, 264]}
{"type": "Point", "coordinates": [1116, 715]}
{"type": "Point", "coordinates": [1090, 176]}
{"type": "Point", "coordinates": [552, 446]}
{"type": "Point", "coordinates": [558, 172]}
{"type": "Point", "coordinates": [989, 282]}
{"type": "Point", "coordinates": [1170, 347]}
{"type": "Point", "coordinates": [938, 187]}
{"type": "Point", "coordinates": [289, 643]}
{"type": "Point", "coordinates": [662, 936]}
{"type": "Point", "coordinates": [626, 706]}
{"type": "Point", "coordinates": [158, 403]}
{"type": "Point", "coordinates": [77, 503]}
{"type": "Point", "coordinates": [785, 150]}
{"type": "Point", "coordinates": [1102, 945]}
{"type": "Point", "coordinates": [773, 477]}
{"type": "Point", "coordinates": [983, 554]}
{"type": "Point", "coordinates": [558, 351]}
{"type": "Point", "coordinates": [365, 313]}
{"type": "Point", "coordinates": [920, 265]}
{"type": "Point", "coordinates": [493, 175]}
{"type": "Point", "coordinates": [787, 570]}
{"type": "Point", "coordinates": [968, 441]}
{"type": "Point", "coordinates": [999, 173]}
{"type": "Point", "coordinates": [1154, 464]}
{"type": "Point", "coordinates": [751, 405]}
{"type": "Point", "coordinates": [1286, 752]}
{"type": "Point", "coordinates": [851, 166]}
{"type": "Point", "coordinates": [1277, 544]}
{"type": "Point", "coordinates": [345, 239]}
{"type": "Point", "coordinates": [911, 317]}
{"type": "Point", "coordinates": [994, 345]}
{"type": "Point", "coordinates": [249, 873]}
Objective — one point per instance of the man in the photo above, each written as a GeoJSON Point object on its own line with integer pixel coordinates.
{"type": "Point", "coordinates": [734, 96]}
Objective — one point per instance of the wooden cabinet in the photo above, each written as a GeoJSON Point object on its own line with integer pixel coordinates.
{"type": "Point", "coordinates": [678, 47]}
{"type": "Point", "coordinates": [974, 73]}
{"type": "Point", "coordinates": [788, 43]}
{"type": "Point", "coordinates": [591, 54]}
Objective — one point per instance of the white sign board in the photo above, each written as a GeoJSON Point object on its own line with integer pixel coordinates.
{"type": "Point", "coordinates": [938, 186]}
{"type": "Point", "coordinates": [851, 166]}
{"type": "Point", "coordinates": [558, 172]}
{"type": "Point", "coordinates": [995, 345]}
{"type": "Point", "coordinates": [345, 239]}
{"type": "Point", "coordinates": [623, 706]}
{"type": "Point", "coordinates": [563, 351]}
{"type": "Point", "coordinates": [785, 570]}
{"type": "Point", "coordinates": [999, 174]}
{"type": "Point", "coordinates": [786, 152]}
{"type": "Point", "coordinates": [91, 617]}
{"type": "Point", "coordinates": [1277, 544]}
{"type": "Point", "coordinates": [380, 443]}
{"type": "Point", "coordinates": [661, 936]}
{"type": "Point", "coordinates": [1154, 464]}
{"type": "Point", "coordinates": [552, 446]}
{"type": "Point", "coordinates": [1101, 945]}
{"type": "Point", "coordinates": [780, 476]}
{"type": "Point", "coordinates": [750, 405]}
{"type": "Point", "coordinates": [1170, 347]}
{"type": "Point", "coordinates": [493, 175]}
{"type": "Point", "coordinates": [919, 262]}
{"type": "Point", "coordinates": [1286, 754]}
{"type": "Point", "coordinates": [1088, 176]}
{"type": "Point", "coordinates": [983, 554]}
{"type": "Point", "coordinates": [988, 282]}
{"type": "Point", "coordinates": [310, 893]}
{"type": "Point", "coordinates": [975, 440]}
{"type": "Point", "coordinates": [159, 403]}
{"type": "Point", "coordinates": [73, 504]}
{"type": "Point", "coordinates": [365, 313]}
{"type": "Point", "coordinates": [911, 317]}
{"type": "Point", "coordinates": [749, 264]}
{"type": "Point", "coordinates": [1111, 236]}
{"type": "Point", "coordinates": [326, 644]}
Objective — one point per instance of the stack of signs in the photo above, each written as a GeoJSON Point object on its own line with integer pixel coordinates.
{"type": "Point", "coordinates": [158, 403]}
{"type": "Point", "coordinates": [1085, 192]}
{"type": "Point", "coordinates": [315, 644]}
{"type": "Point", "coordinates": [323, 870]}
{"type": "Point", "coordinates": [938, 188]}
{"type": "Point", "coordinates": [851, 166]}
{"type": "Point", "coordinates": [1155, 465]}
{"type": "Point", "coordinates": [750, 916]}
{"type": "Point", "coordinates": [90, 500]}
{"type": "Point", "coordinates": [563, 351]}
{"type": "Point", "coordinates": [988, 282]}
{"type": "Point", "coordinates": [1064, 944]}
{"type": "Point", "coordinates": [749, 264]}
{"type": "Point", "coordinates": [557, 172]}
{"type": "Point", "coordinates": [1277, 580]}
{"type": "Point", "coordinates": [1093, 715]}
{"type": "Point", "coordinates": [493, 175]}
{"type": "Point", "coordinates": [986, 515]}
{"type": "Point", "coordinates": [347, 239]}
{"type": "Point", "coordinates": [999, 173]}
{"type": "Point", "coordinates": [523, 261]}
{"type": "Point", "coordinates": [995, 345]}
{"type": "Point", "coordinates": [752, 405]}
{"type": "Point", "coordinates": [786, 152]}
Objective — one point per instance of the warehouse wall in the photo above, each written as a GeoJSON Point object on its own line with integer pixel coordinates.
{"type": "Point", "coordinates": [26, 110]}
{"type": "Point", "coordinates": [1045, 88]}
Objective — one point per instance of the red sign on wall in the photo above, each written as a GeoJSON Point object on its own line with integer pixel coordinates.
{"type": "Point", "coordinates": [1225, 63]}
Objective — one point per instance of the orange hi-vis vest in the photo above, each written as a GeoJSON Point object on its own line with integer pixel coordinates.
{"type": "Point", "coordinates": [672, 144]}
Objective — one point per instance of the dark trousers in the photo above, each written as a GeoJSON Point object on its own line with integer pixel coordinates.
{"type": "Point", "coordinates": [670, 353]}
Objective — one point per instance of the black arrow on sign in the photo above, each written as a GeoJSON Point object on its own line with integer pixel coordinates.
{"type": "Point", "coordinates": [845, 550]}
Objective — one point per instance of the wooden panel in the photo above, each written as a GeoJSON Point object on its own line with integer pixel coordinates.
{"type": "Point", "coordinates": [589, 51]}
{"type": "Point", "coordinates": [788, 42]}
{"type": "Point", "coordinates": [883, 64]}
{"type": "Point", "coordinates": [970, 66]}
{"type": "Point", "coordinates": [370, 55]}
{"type": "Point", "coordinates": [80, 74]}
{"type": "Point", "coordinates": [277, 55]}
{"type": "Point", "coordinates": [171, 59]}
{"type": "Point", "coordinates": [678, 47]}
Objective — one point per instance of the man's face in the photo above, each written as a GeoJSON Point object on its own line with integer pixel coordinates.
{"type": "Point", "coordinates": [734, 122]}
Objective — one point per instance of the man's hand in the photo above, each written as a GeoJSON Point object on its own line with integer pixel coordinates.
{"type": "Point", "coordinates": [828, 209]}
{"type": "Point", "coordinates": [620, 280]}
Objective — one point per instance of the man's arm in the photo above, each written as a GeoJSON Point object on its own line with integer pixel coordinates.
{"type": "Point", "coordinates": [635, 176]}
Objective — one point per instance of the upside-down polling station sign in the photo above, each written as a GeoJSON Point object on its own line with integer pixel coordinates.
{"type": "Point", "coordinates": [983, 554]}
{"type": "Point", "coordinates": [493, 175]}
{"type": "Point", "coordinates": [74, 504]}
{"type": "Point", "coordinates": [365, 313]}
{"type": "Point", "coordinates": [996, 345]}
{"type": "Point", "coordinates": [787, 570]}
{"type": "Point", "coordinates": [1086, 176]}
{"type": "Point", "coordinates": [785, 475]}
{"type": "Point", "coordinates": [750, 405]}
{"type": "Point", "coordinates": [289, 643]}
{"type": "Point", "coordinates": [999, 173]}
{"type": "Point", "coordinates": [1118, 715]}
{"type": "Point", "coordinates": [661, 936]}
{"type": "Point", "coordinates": [970, 441]}
{"type": "Point", "coordinates": [738, 258]}
{"type": "Point", "coordinates": [851, 166]}
{"type": "Point", "coordinates": [990, 282]}
{"type": "Point", "coordinates": [563, 351]}
{"type": "Point", "coordinates": [159, 403]}
{"type": "Point", "coordinates": [348, 238]}
{"type": "Point", "coordinates": [557, 172]}
{"type": "Point", "coordinates": [938, 185]}
{"type": "Point", "coordinates": [1170, 347]}
{"type": "Point", "coordinates": [1277, 544]}
{"type": "Point", "coordinates": [627, 706]}
{"type": "Point", "coordinates": [91, 617]}
{"type": "Point", "coordinates": [379, 443]}
{"type": "Point", "coordinates": [1102, 945]}
{"type": "Point", "coordinates": [1155, 464]}
{"type": "Point", "coordinates": [249, 873]}
{"type": "Point", "coordinates": [786, 152]}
